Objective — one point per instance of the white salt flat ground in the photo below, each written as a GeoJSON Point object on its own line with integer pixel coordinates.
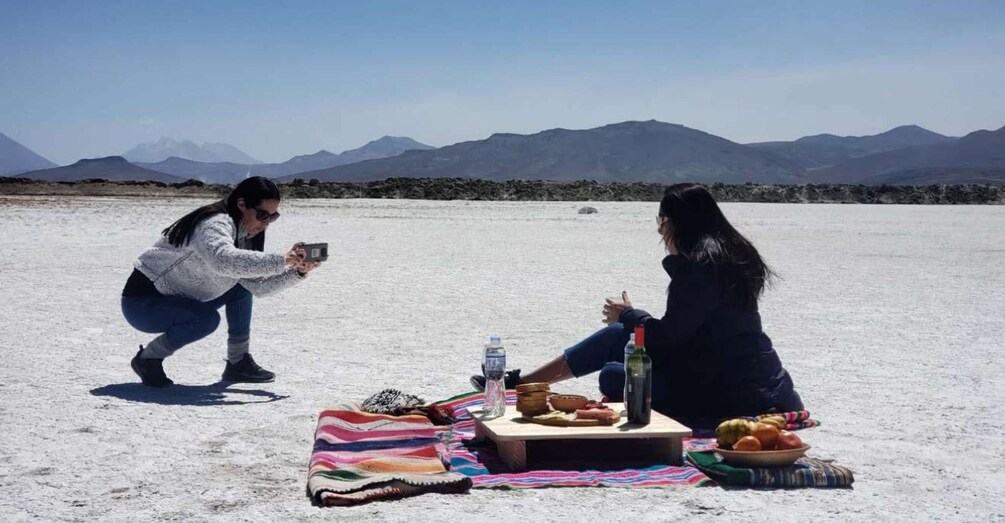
{"type": "Point", "coordinates": [890, 319]}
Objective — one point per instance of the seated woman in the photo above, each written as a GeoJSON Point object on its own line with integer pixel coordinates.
{"type": "Point", "coordinates": [210, 258]}
{"type": "Point", "coordinates": [711, 360]}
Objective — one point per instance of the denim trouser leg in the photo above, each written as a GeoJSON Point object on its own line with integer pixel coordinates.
{"type": "Point", "coordinates": [603, 351]}
{"type": "Point", "coordinates": [184, 320]}
{"type": "Point", "coordinates": [238, 304]}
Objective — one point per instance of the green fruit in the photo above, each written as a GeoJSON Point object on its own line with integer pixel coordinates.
{"type": "Point", "coordinates": [730, 431]}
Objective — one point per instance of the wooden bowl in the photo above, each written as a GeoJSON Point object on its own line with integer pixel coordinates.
{"type": "Point", "coordinates": [532, 396]}
{"type": "Point", "coordinates": [568, 402]}
{"type": "Point", "coordinates": [762, 458]}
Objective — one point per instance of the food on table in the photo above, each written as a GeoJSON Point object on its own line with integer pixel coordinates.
{"type": "Point", "coordinates": [532, 398]}
{"type": "Point", "coordinates": [568, 402]}
{"type": "Point", "coordinates": [604, 415]}
{"type": "Point", "coordinates": [524, 388]}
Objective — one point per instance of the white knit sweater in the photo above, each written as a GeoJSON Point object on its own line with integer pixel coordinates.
{"type": "Point", "coordinates": [209, 265]}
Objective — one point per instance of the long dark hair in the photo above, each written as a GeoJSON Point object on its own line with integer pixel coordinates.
{"type": "Point", "coordinates": [702, 234]}
{"type": "Point", "coordinates": [253, 190]}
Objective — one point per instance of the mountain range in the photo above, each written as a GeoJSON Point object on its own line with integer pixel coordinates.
{"type": "Point", "coordinates": [108, 168]}
{"type": "Point", "coordinates": [16, 158]}
{"type": "Point", "coordinates": [165, 148]}
{"type": "Point", "coordinates": [978, 157]}
{"type": "Point", "coordinates": [630, 151]}
{"type": "Point", "coordinates": [823, 150]}
{"type": "Point", "coordinates": [649, 151]}
{"type": "Point", "coordinates": [231, 172]}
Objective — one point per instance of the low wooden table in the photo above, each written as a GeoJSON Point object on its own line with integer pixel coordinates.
{"type": "Point", "coordinates": [523, 444]}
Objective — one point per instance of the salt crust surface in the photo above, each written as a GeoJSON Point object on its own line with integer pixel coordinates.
{"type": "Point", "coordinates": [891, 320]}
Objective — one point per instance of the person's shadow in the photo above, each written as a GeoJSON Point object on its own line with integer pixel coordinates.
{"type": "Point", "coordinates": [219, 393]}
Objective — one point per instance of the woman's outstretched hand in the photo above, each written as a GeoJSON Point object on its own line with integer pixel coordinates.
{"type": "Point", "coordinates": [613, 309]}
{"type": "Point", "coordinates": [307, 266]}
{"type": "Point", "coordinates": [296, 256]}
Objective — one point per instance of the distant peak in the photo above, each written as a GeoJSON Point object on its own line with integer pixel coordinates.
{"type": "Point", "coordinates": [911, 129]}
{"type": "Point", "coordinates": [106, 159]}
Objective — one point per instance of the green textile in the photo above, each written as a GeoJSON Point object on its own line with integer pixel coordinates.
{"type": "Point", "coordinates": [804, 473]}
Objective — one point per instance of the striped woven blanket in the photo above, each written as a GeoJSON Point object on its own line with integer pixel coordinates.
{"type": "Point", "coordinates": [360, 457]}
{"type": "Point", "coordinates": [483, 465]}
{"type": "Point", "coordinates": [805, 472]}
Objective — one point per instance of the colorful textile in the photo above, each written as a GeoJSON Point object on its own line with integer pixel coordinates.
{"type": "Point", "coordinates": [482, 463]}
{"type": "Point", "coordinates": [360, 457]}
{"type": "Point", "coordinates": [805, 472]}
{"type": "Point", "coordinates": [796, 420]}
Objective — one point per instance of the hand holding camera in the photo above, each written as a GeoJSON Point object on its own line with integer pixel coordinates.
{"type": "Point", "coordinates": [310, 256]}
{"type": "Point", "coordinates": [295, 256]}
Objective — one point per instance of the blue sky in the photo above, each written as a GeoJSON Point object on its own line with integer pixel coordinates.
{"type": "Point", "coordinates": [278, 79]}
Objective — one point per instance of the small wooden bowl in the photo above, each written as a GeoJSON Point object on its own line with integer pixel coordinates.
{"type": "Point", "coordinates": [568, 402]}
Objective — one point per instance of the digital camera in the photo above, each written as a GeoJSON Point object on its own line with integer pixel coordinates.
{"type": "Point", "coordinates": [315, 251]}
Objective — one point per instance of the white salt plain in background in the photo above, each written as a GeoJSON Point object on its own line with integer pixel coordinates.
{"type": "Point", "coordinates": [891, 320]}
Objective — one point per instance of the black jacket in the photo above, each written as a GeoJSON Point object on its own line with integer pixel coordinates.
{"type": "Point", "coordinates": [711, 360]}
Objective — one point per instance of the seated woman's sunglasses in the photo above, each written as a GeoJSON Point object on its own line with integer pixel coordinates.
{"type": "Point", "coordinates": [264, 216]}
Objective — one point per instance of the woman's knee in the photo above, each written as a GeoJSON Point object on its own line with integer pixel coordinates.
{"type": "Point", "coordinates": [612, 381]}
{"type": "Point", "coordinates": [211, 321]}
{"type": "Point", "coordinates": [615, 329]}
{"type": "Point", "coordinates": [206, 321]}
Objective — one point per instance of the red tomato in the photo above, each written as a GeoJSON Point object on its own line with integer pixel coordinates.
{"type": "Point", "coordinates": [788, 440]}
{"type": "Point", "coordinates": [747, 443]}
{"type": "Point", "coordinates": [767, 435]}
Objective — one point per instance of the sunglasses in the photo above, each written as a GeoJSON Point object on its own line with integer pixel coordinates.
{"type": "Point", "coordinates": [265, 216]}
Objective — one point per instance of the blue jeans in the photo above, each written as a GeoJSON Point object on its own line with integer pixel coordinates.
{"type": "Point", "coordinates": [604, 350]}
{"type": "Point", "coordinates": [184, 320]}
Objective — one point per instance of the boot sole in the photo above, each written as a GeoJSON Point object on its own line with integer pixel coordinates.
{"type": "Point", "coordinates": [247, 380]}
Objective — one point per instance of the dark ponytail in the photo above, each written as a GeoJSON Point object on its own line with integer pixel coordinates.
{"type": "Point", "coordinates": [253, 190]}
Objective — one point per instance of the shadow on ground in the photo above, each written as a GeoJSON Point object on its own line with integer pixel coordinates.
{"type": "Point", "coordinates": [220, 393]}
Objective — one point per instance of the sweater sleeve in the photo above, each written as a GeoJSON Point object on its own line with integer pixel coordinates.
{"type": "Point", "coordinates": [213, 241]}
{"type": "Point", "coordinates": [694, 294]}
{"type": "Point", "coordinates": [272, 284]}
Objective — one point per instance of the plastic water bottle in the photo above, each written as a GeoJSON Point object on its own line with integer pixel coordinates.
{"type": "Point", "coordinates": [629, 350]}
{"type": "Point", "coordinates": [495, 372]}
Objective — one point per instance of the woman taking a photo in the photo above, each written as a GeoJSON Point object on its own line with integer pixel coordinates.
{"type": "Point", "coordinates": [210, 258]}
{"type": "Point", "coordinates": [711, 360]}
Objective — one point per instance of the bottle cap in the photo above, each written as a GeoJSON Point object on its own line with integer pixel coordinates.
{"type": "Point", "coordinates": [640, 335]}
{"type": "Point", "coordinates": [495, 340]}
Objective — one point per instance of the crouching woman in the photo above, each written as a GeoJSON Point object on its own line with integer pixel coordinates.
{"type": "Point", "coordinates": [210, 258]}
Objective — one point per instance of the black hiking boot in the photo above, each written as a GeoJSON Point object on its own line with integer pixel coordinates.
{"type": "Point", "coordinates": [511, 379]}
{"type": "Point", "coordinates": [150, 371]}
{"type": "Point", "coordinates": [247, 371]}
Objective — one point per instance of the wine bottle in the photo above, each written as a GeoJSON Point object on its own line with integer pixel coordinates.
{"type": "Point", "coordinates": [639, 381]}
